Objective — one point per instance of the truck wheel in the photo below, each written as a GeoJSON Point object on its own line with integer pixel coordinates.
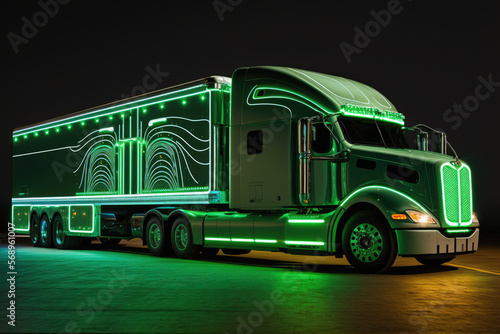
{"type": "Point", "coordinates": [182, 240]}
{"type": "Point", "coordinates": [45, 232]}
{"type": "Point", "coordinates": [61, 240]}
{"type": "Point", "coordinates": [368, 242]}
{"type": "Point", "coordinates": [156, 238]}
{"type": "Point", "coordinates": [35, 230]}
{"type": "Point", "coordinates": [434, 262]}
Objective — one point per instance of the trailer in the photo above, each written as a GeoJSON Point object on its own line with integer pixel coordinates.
{"type": "Point", "coordinates": [272, 159]}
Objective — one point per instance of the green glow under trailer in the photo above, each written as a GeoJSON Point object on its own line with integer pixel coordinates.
{"type": "Point", "coordinates": [273, 159]}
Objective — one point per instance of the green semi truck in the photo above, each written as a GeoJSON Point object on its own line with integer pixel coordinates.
{"type": "Point", "coordinates": [272, 159]}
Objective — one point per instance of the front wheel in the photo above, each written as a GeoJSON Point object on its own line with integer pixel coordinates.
{"type": "Point", "coordinates": [368, 242]}
{"type": "Point", "coordinates": [182, 240]}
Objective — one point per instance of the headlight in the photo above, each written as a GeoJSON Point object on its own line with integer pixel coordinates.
{"type": "Point", "coordinates": [474, 218]}
{"type": "Point", "coordinates": [420, 217]}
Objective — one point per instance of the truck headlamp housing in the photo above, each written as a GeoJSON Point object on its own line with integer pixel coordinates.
{"type": "Point", "coordinates": [420, 217]}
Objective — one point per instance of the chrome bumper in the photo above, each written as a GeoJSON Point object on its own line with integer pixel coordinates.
{"type": "Point", "coordinates": [420, 242]}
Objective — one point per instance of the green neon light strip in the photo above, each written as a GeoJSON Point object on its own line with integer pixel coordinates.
{"type": "Point", "coordinates": [93, 219]}
{"type": "Point", "coordinates": [388, 189]}
{"type": "Point", "coordinates": [310, 243]}
{"type": "Point", "coordinates": [217, 239]}
{"type": "Point", "coordinates": [264, 241]}
{"type": "Point", "coordinates": [86, 116]}
{"type": "Point", "coordinates": [308, 221]}
{"type": "Point", "coordinates": [463, 230]}
{"type": "Point", "coordinates": [110, 129]}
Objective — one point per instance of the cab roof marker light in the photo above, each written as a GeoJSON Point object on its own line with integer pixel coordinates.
{"type": "Point", "coordinates": [157, 120]}
{"type": "Point", "coordinates": [310, 221]}
{"type": "Point", "coordinates": [373, 113]}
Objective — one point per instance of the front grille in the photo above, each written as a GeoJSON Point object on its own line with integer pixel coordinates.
{"type": "Point", "coordinates": [457, 197]}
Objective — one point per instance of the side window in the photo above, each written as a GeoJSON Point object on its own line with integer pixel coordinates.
{"type": "Point", "coordinates": [254, 142]}
{"type": "Point", "coordinates": [321, 139]}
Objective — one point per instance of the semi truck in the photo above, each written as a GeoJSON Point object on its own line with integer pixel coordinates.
{"type": "Point", "coordinates": [272, 159]}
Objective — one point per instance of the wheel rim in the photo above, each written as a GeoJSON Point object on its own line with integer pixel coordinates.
{"type": "Point", "coordinates": [155, 236]}
{"type": "Point", "coordinates": [59, 233]}
{"type": "Point", "coordinates": [44, 226]}
{"type": "Point", "coordinates": [366, 243]}
{"type": "Point", "coordinates": [181, 237]}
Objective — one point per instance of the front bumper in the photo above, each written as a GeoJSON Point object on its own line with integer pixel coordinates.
{"type": "Point", "coordinates": [421, 242]}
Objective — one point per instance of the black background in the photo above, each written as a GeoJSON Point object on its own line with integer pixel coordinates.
{"type": "Point", "coordinates": [428, 58]}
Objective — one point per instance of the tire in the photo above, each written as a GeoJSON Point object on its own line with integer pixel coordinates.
{"type": "Point", "coordinates": [434, 261]}
{"type": "Point", "coordinates": [181, 238]}
{"type": "Point", "coordinates": [369, 243]}
{"type": "Point", "coordinates": [45, 232]}
{"type": "Point", "coordinates": [60, 239]}
{"type": "Point", "coordinates": [209, 252]}
{"type": "Point", "coordinates": [156, 239]}
{"type": "Point", "coordinates": [35, 230]}
{"type": "Point", "coordinates": [109, 242]}
{"type": "Point", "coordinates": [229, 251]}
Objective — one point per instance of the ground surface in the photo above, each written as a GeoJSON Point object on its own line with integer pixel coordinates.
{"type": "Point", "coordinates": [126, 290]}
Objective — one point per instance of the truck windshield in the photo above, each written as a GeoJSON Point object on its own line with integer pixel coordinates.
{"type": "Point", "coordinates": [364, 131]}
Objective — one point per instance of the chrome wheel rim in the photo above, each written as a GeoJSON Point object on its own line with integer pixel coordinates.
{"type": "Point", "coordinates": [59, 233]}
{"type": "Point", "coordinates": [44, 226]}
{"type": "Point", "coordinates": [155, 236]}
{"type": "Point", "coordinates": [366, 243]}
{"type": "Point", "coordinates": [181, 237]}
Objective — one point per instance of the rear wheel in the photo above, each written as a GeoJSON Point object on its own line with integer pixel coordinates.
{"type": "Point", "coordinates": [368, 242]}
{"type": "Point", "coordinates": [156, 238]}
{"type": "Point", "coordinates": [59, 237]}
{"type": "Point", "coordinates": [35, 230]}
{"type": "Point", "coordinates": [433, 261]}
{"type": "Point", "coordinates": [45, 232]}
{"type": "Point", "coordinates": [182, 240]}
